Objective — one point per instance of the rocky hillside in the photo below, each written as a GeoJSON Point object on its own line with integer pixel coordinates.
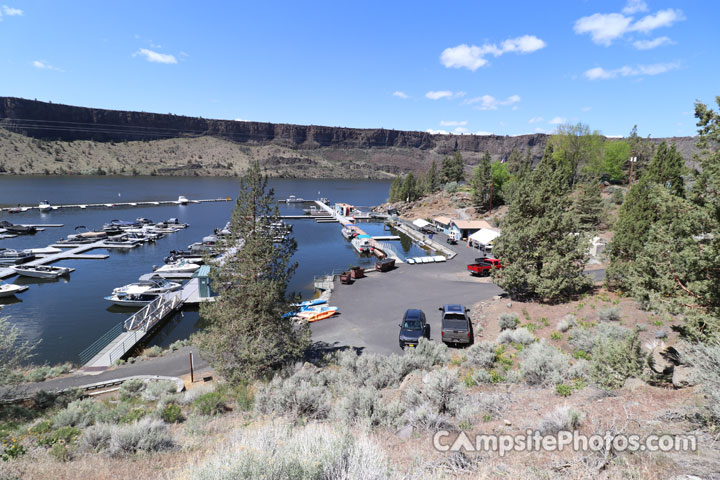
{"type": "Point", "coordinates": [47, 138]}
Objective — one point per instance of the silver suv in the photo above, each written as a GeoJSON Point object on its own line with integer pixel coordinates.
{"type": "Point", "coordinates": [456, 325]}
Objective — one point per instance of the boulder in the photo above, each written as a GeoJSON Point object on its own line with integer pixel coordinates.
{"type": "Point", "coordinates": [661, 361]}
{"type": "Point", "coordinates": [633, 384]}
{"type": "Point", "coordinates": [683, 376]}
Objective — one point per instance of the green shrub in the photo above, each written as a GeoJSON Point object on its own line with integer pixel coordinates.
{"type": "Point", "coordinates": [563, 390]}
{"type": "Point", "coordinates": [38, 374]}
{"type": "Point", "coordinates": [11, 449]}
{"type": "Point", "coordinates": [172, 413]}
{"type": "Point", "coordinates": [508, 321]}
{"type": "Point", "coordinates": [64, 435]}
{"type": "Point", "coordinates": [61, 452]}
{"type": "Point", "coordinates": [521, 335]}
{"type": "Point", "coordinates": [556, 336]}
{"type": "Point", "coordinates": [154, 351]}
{"type": "Point", "coordinates": [79, 413]}
{"type": "Point", "coordinates": [561, 419]}
{"type": "Point", "coordinates": [145, 435]}
{"type": "Point", "coordinates": [614, 361]}
{"type": "Point", "coordinates": [567, 322]}
{"type": "Point", "coordinates": [315, 451]}
{"type": "Point", "coordinates": [543, 364]}
{"type": "Point", "coordinates": [244, 397]}
{"type": "Point", "coordinates": [481, 354]}
{"type": "Point", "coordinates": [131, 388]}
{"type": "Point", "coordinates": [156, 389]}
{"type": "Point", "coordinates": [610, 314]}
{"type": "Point", "coordinates": [210, 404]}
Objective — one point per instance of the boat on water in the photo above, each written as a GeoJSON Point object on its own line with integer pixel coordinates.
{"type": "Point", "coordinates": [182, 200]}
{"type": "Point", "coordinates": [179, 269]}
{"type": "Point", "coordinates": [44, 206]}
{"type": "Point", "coordinates": [41, 271]}
{"type": "Point", "coordinates": [361, 244]}
{"type": "Point", "coordinates": [17, 229]}
{"type": "Point", "coordinates": [174, 223]}
{"type": "Point", "coordinates": [18, 209]}
{"type": "Point", "coordinates": [348, 233]}
{"type": "Point", "coordinates": [115, 225]}
{"type": "Point", "coordinates": [131, 299]}
{"type": "Point", "coordinates": [9, 289]}
{"type": "Point", "coordinates": [187, 255]}
{"type": "Point", "coordinates": [155, 285]}
{"type": "Point", "coordinates": [294, 199]}
{"type": "Point", "coordinates": [15, 257]}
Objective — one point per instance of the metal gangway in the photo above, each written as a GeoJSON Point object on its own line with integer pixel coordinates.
{"type": "Point", "coordinates": [124, 336]}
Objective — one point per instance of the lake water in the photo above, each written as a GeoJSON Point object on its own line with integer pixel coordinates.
{"type": "Point", "coordinates": [67, 315]}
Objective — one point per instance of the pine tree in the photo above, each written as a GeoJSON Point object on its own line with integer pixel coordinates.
{"type": "Point", "coordinates": [481, 183]}
{"type": "Point", "coordinates": [432, 178]}
{"type": "Point", "coordinates": [409, 190]}
{"type": "Point", "coordinates": [453, 168]}
{"type": "Point", "coordinates": [247, 334]}
{"type": "Point", "coordinates": [540, 246]}
{"type": "Point", "coordinates": [588, 206]}
{"type": "Point", "coordinates": [395, 187]}
{"type": "Point", "coordinates": [666, 168]}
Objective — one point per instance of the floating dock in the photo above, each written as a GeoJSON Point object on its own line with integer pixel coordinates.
{"type": "Point", "coordinates": [115, 204]}
{"type": "Point", "coordinates": [72, 254]}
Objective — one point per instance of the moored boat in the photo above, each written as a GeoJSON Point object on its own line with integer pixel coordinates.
{"type": "Point", "coordinates": [15, 257]}
{"type": "Point", "coordinates": [130, 299]}
{"type": "Point", "coordinates": [155, 285]}
{"type": "Point", "coordinates": [182, 200]}
{"type": "Point", "coordinates": [17, 229]}
{"type": "Point", "coordinates": [41, 271]}
{"type": "Point", "coordinates": [44, 206]}
{"type": "Point", "coordinates": [179, 269]}
{"type": "Point", "coordinates": [9, 289]}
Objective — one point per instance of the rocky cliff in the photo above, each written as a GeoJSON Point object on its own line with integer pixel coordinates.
{"type": "Point", "coordinates": [178, 145]}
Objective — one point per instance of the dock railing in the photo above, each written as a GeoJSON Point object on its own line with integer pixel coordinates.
{"type": "Point", "coordinates": [100, 343]}
{"type": "Point", "coordinates": [144, 319]}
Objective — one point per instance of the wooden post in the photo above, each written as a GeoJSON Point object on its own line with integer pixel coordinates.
{"type": "Point", "coordinates": [192, 374]}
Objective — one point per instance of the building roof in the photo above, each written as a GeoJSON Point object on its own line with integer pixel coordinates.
{"type": "Point", "coordinates": [472, 224]}
{"type": "Point", "coordinates": [420, 223]}
{"type": "Point", "coordinates": [485, 235]}
{"type": "Point", "coordinates": [443, 220]}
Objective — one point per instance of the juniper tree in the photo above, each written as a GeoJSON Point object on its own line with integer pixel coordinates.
{"type": "Point", "coordinates": [481, 183]}
{"type": "Point", "coordinates": [588, 206]}
{"type": "Point", "coordinates": [432, 178]}
{"type": "Point", "coordinates": [395, 187]}
{"type": "Point", "coordinates": [409, 188]}
{"type": "Point", "coordinates": [666, 168]}
{"type": "Point", "coordinates": [14, 352]}
{"type": "Point", "coordinates": [247, 334]}
{"type": "Point", "coordinates": [541, 245]}
{"type": "Point", "coordinates": [453, 168]}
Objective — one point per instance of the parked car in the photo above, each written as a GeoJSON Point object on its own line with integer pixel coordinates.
{"type": "Point", "coordinates": [413, 328]}
{"type": "Point", "coordinates": [483, 266]}
{"type": "Point", "coordinates": [456, 325]}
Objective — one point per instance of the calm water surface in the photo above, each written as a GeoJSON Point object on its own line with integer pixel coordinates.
{"type": "Point", "coordinates": [67, 315]}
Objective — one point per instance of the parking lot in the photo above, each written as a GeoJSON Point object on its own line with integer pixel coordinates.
{"type": "Point", "coordinates": [372, 307]}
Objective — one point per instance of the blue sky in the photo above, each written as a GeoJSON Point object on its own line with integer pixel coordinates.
{"type": "Point", "coordinates": [498, 67]}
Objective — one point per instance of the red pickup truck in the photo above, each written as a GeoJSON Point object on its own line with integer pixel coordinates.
{"type": "Point", "coordinates": [483, 266]}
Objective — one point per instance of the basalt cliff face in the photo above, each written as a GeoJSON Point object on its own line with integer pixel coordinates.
{"type": "Point", "coordinates": [41, 137]}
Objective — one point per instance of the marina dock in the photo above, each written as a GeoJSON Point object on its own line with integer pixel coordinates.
{"type": "Point", "coordinates": [75, 253]}
{"type": "Point", "coordinates": [27, 208]}
{"type": "Point", "coordinates": [123, 337]}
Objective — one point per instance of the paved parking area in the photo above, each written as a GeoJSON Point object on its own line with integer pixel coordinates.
{"type": "Point", "coordinates": [372, 307]}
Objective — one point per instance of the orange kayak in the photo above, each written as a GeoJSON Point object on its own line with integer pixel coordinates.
{"type": "Point", "coordinates": [321, 316]}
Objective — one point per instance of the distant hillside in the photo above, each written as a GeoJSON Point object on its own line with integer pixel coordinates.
{"type": "Point", "coordinates": [47, 138]}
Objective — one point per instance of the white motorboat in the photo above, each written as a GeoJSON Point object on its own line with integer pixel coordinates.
{"type": "Point", "coordinates": [130, 299]}
{"type": "Point", "coordinates": [15, 257]}
{"type": "Point", "coordinates": [179, 269]}
{"type": "Point", "coordinates": [44, 206]}
{"type": "Point", "coordinates": [41, 271]}
{"type": "Point", "coordinates": [182, 200]}
{"type": "Point", "coordinates": [154, 285]}
{"type": "Point", "coordinates": [9, 289]}
{"type": "Point", "coordinates": [348, 233]}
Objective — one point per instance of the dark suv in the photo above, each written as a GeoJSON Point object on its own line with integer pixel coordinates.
{"type": "Point", "coordinates": [456, 325]}
{"type": "Point", "coordinates": [412, 328]}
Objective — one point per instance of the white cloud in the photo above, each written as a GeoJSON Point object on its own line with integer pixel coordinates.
{"type": "Point", "coordinates": [437, 132]}
{"type": "Point", "coordinates": [654, 43]}
{"type": "Point", "coordinates": [558, 121]}
{"type": "Point", "coordinates": [42, 65]}
{"type": "Point", "coordinates": [485, 134]}
{"type": "Point", "coordinates": [400, 94]}
{"type": "Point", "coordinates": [453, 123]}
{"type": "Point", "coordinates": [599, 73]}
{"type": "Point", "coordinates": [663, 18]}
{"type": "Point", "coordinates": [488, 102]}
{"type": "Point", "coordinates": [604, 28]}
{"type": "Point", "coordinates": [437, 95]}
{"type": "Point", "coordinates": [11, 12]}
{"type": "Point", "coordinates": [634, 6]}
{"type": "Point", "coordinates": [472, 57]}
{"type": "Point", "coordinates": [240, 120]}
{"type": "Point", "coordinates": [155, 57]}
{"type": "Point", "coordinates": [536, 120]}
{"type": "Point", "coordinates": [586, 109]}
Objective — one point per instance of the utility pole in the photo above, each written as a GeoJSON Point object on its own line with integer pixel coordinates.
{"type": "Point", "coordinates": [632, 161]}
